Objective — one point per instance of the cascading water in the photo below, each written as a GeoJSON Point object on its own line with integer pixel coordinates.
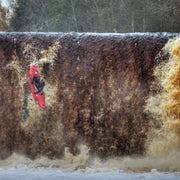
{"type": "Point", "coordinates": [112, 101]}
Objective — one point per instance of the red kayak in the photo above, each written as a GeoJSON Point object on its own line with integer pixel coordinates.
{"type": "Point", "coordinates": [39, 99]}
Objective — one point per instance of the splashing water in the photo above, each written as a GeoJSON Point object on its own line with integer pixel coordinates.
{"type": "Point", "coordinates": [164, 107]}
{"type": "Point", "coordinates": [163, 143]}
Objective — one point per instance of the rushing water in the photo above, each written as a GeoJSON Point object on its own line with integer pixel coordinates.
{"type": "Point", "coordinates": [161, 159]}
{"type": "Point", "coordinates": [30, 173]}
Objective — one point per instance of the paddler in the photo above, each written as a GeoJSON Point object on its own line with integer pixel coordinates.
{"type": "Point", "coordinates": [38, 84]}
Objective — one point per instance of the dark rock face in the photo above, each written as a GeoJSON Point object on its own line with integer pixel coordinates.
{"type": "Point", "coordinates": [96, 89]}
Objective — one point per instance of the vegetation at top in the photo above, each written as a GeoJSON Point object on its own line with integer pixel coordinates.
{"type": "Point", "coordinates": [91, 16]}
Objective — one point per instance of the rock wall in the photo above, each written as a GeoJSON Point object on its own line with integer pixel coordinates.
{"type": "Point", "coordinates": [96, 90]}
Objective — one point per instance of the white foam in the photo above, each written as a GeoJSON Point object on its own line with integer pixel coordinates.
{"type": "Point", "coordinates": [30, 173]}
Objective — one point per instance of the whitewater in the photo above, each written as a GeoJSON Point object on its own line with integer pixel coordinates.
{"type": "Point", "coordinates": [30, 173]}
{"type": "Point", "coordinates": [85, 167]}
{"type": "Point", "coordinates": [159, 160]}
{"type": "Point", "coordinates": [81, 167]}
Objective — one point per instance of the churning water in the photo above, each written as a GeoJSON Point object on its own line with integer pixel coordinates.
{"type": "Point", "coordinates": [162, 146]}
